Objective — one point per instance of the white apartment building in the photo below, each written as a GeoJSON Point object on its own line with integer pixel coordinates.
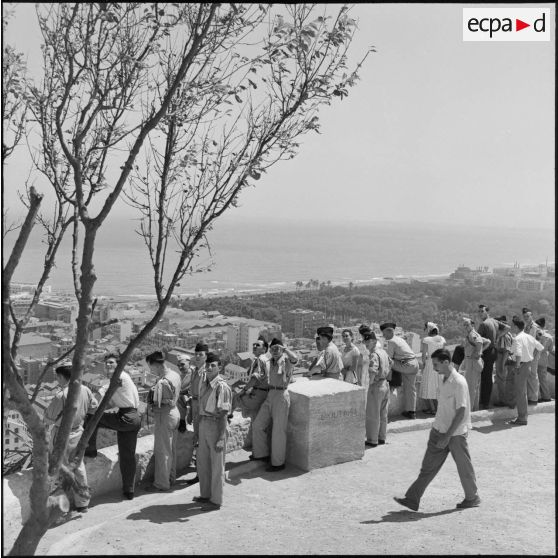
{"type": "Point", "coordinates": [240, 337]}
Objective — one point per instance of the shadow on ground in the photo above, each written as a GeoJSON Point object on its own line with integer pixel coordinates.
{"type": "Point", "coordinates": [494, 427]}
{"type": "Point", "coordinates": [168, 514]}
{"type": "Point", "coordinates": [236, 476]}
{"type": "Point", "coordinates": [403, 516]}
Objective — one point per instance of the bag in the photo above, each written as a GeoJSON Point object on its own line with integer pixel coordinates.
{"type": "Point", "coordinates": [396, 379]}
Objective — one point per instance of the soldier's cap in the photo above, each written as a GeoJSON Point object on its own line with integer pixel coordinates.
{"type": "Point", "coordinates": [387, 325]}
{"type": "Point", "coordinates": [64, 370]}
{"type": "Point", "coordinates": [275, 341]}
{"type": "Point", "coordinates": [201, 348]}
{"type": "Point", "coordinates": [156, 356]}
{"type": "Point", "coordinates": [183, 357]}
{"type": "Point", "coordinates": [367, 335]}
{"type": "Point", "coordinates": [541, 322]}
{"type": "Point", "coordinates": [327, 331]}
{"type": "Point", "coordinates": [363, 329]}
{"type": "Point", "coordinates": [502, 319]}
{"type": "Point", "coordinates": [212, 357]}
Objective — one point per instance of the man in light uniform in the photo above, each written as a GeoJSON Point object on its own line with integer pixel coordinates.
{"type": "Point", "coordinates": [525, 349]}
{"type": "Point", "coordinates": [215, 399]}
{"type": "Point", "coordinates": [86, 404]}
{"type": "Point", "coordinates": [253, 394]}
{"type": "Point", "coordinates": [448, 435]}
{"type": "Point", "coordinates": [531, 328]}
{"type": "Point", "coordinates": [377, 401]}
{"type": "Point", "coordinates": [329, 363]}
{"type": "Point", "coordinates": [163, 397]}
{"type": "Point", "coordinates": [547, 341]}
{"type": "Point", "coordinates": [275, 409]}
{"type": "Point", "coordinates": [405, 362]}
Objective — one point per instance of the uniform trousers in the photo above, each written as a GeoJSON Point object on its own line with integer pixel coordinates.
{"type": "Point", "coordinates": [544, 390]}
{"type": "Point", "coordinates": [127, 423]}
{"type": "Point", "coordinates": [433, 460]}
{"type": "Point", "coordinates": [521, 379]}
{"type": "Point", "coordinates": [377, 404]}
{"type": "Point", "coordinates": [83, 496]}
{"type": "Point", "coordinates": [408, 370]}
{"type": "Point", "coordinates": [166, 421]}
{"type": "Point", "coordinates": [509, 390]}
{"type": "Point", "coordinates": [275, 410]}
{"type": "Point", "coordinates": [250, 405]}
{"type": "Point", "coordinates": [488, 359]}
{"type": "Point", "coordinates": [211, 463]}
{"type": "Point", "coordinates": [196, 419]}
{"type": "Point", "coordinates": [471, 368]}
{"type": "Point", "coordinates": [500, 377]}
{"type": "Point", "coordinates": [533, 380]}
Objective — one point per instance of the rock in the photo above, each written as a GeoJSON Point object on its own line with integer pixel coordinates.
{"type": "Point", "coordinates": [326, 423]}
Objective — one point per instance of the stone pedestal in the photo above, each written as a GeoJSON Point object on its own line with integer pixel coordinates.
{"type": "Point", "coordinates": [326, 423]}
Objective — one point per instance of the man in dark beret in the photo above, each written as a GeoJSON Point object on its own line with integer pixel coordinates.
{"type": "Point", "coordinates": [503, 344]}
{"type": "Point", "coordinates": [329, 363]}
{"type": "Point", "coordinates": [405, 362]}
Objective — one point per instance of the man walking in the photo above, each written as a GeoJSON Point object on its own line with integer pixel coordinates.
{"type": "Point", "coordinates": [525, 350]}
{"type": "Point", "coordinates": [488, 328]}
{"type": "Point", "coordinates": [275, 409]}
{"type": "Point", "coordinates": [214, 406]}
{"type": "Point", "coordinates": [377, 401]}
{"type": "Point", "coordinates": [404, 361]}
{"type": "Point", "coordinates": [448, 435]}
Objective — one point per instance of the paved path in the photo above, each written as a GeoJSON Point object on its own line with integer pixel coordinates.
{"type": "Point", "coordinates": [347, 508]}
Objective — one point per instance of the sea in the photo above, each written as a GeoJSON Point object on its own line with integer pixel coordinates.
{"type": "Point", "coordinates": [251, 257]}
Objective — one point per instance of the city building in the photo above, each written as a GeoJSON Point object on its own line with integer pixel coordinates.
{"type": "Point", "coordinates": [240, 337]}
{"type": "Point", "coordinates": [32, 345]}
{"type": "Point", "coordinates": [302, 323]}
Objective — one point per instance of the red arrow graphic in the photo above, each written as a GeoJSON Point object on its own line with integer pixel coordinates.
{"type": "Point", "coordinates": [519, 25]}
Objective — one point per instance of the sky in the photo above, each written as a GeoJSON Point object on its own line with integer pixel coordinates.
{"type": "Point", "coordinates": [437, 131]}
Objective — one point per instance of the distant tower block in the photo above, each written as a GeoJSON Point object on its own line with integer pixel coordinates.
{"type": "Point", "coordinates": [326, 423]}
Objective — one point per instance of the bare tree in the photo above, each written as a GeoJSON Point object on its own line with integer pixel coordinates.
{"type": "Point", "coordinates": [175, 108]}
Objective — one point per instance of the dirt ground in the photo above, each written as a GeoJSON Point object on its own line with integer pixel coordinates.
{"type": "Point", "coordinates": [345, 509]}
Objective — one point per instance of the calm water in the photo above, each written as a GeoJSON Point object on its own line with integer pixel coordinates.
{"type": "Point", "coordinates": [258, 257]}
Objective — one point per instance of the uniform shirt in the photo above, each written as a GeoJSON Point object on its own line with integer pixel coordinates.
{"type": "Point", "coordinates": [524, 346]}
{"type": "Point", "coordinates": [379, 366]}
{"type": "Point", "coordinates": [279, 371]}
{"type": "Point", "coordinates": [504, 340]}
{"type": "Point", "coordinates": [473, 345]}
{"type": "Point", "coordinates": [86, 403]}
{"type": "Point", "coordinates": [398, 349]}
{"type": "Point", "coordinates": [453, 394]}
{"type": "Point", "coordinates": [126, 394]}
{"type": "Point", "coordinates": [258, 371]}
{"type": "Point", "coordinates": [167, 389]}
{"type": "Point", "coordinates": [197, 375]}
{"type": "Point", "coordinates": [186, 381]}
{"type": "Point", "coordinates": [330, 361]}
{"type": "Point", "coordinates": [489, 329]}
{"type": "Point", "coordinates": [547, 342]}
{"type": "Point", "coordinates": [215, 396]}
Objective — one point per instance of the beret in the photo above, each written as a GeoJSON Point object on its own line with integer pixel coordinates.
{"type": "Point", "coordinates": [201, 347]}
{"type": "Point", "coordinates": [390, 325]}
{"type": "Point", "coordinates": [212, 357]}
{"type": "Point", "coordinates": [156, 356]}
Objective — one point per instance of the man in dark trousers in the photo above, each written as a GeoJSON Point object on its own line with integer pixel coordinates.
{"type": "Point", "coordinates": [488, 328]}
{"type": "Point", "coordinates": [448, 435]}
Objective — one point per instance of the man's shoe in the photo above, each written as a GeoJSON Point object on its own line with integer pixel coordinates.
{"type": "Point", "coordinates": [381, 442]}
{"type": "Point", "coordinates": [90, 453]}
{"type": "Point", "coordinates": [406, 502]}
{"type": "Point", "coordinates": [211, 506]}
{"type": "Point", "coordinates": [531, 402]}
{"type": "Point", "coordinates": [200, 499]}
{"type": "Point", "coordinates": [517, 422]}
{"type": "Point", "coordinates": [128, 495]}
{"type": "Point", "coordinates": [474, 503]}
{"type": "Point", "coordinates": [82, 509]}
{"type": "Point", "coordinates": [273, 468]}
{"type": "Point", "coordinates": [267, 458]}
{"type": "Point", "coordinates": [370, 444]}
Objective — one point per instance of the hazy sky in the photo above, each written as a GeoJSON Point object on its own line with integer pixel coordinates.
{"type": "Point", "coordinates": [437, 130]}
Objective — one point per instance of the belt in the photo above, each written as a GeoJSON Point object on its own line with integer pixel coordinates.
{"type": "Point", "coordinates": [276, 387]}
{"type": "Point", "coordinates": [262, 389]}
{"type": "Point", "coordinates": [126, 409]}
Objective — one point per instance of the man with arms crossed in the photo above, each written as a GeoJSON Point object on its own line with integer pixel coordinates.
{"type": "Point", "coordinates": [448, 435]}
